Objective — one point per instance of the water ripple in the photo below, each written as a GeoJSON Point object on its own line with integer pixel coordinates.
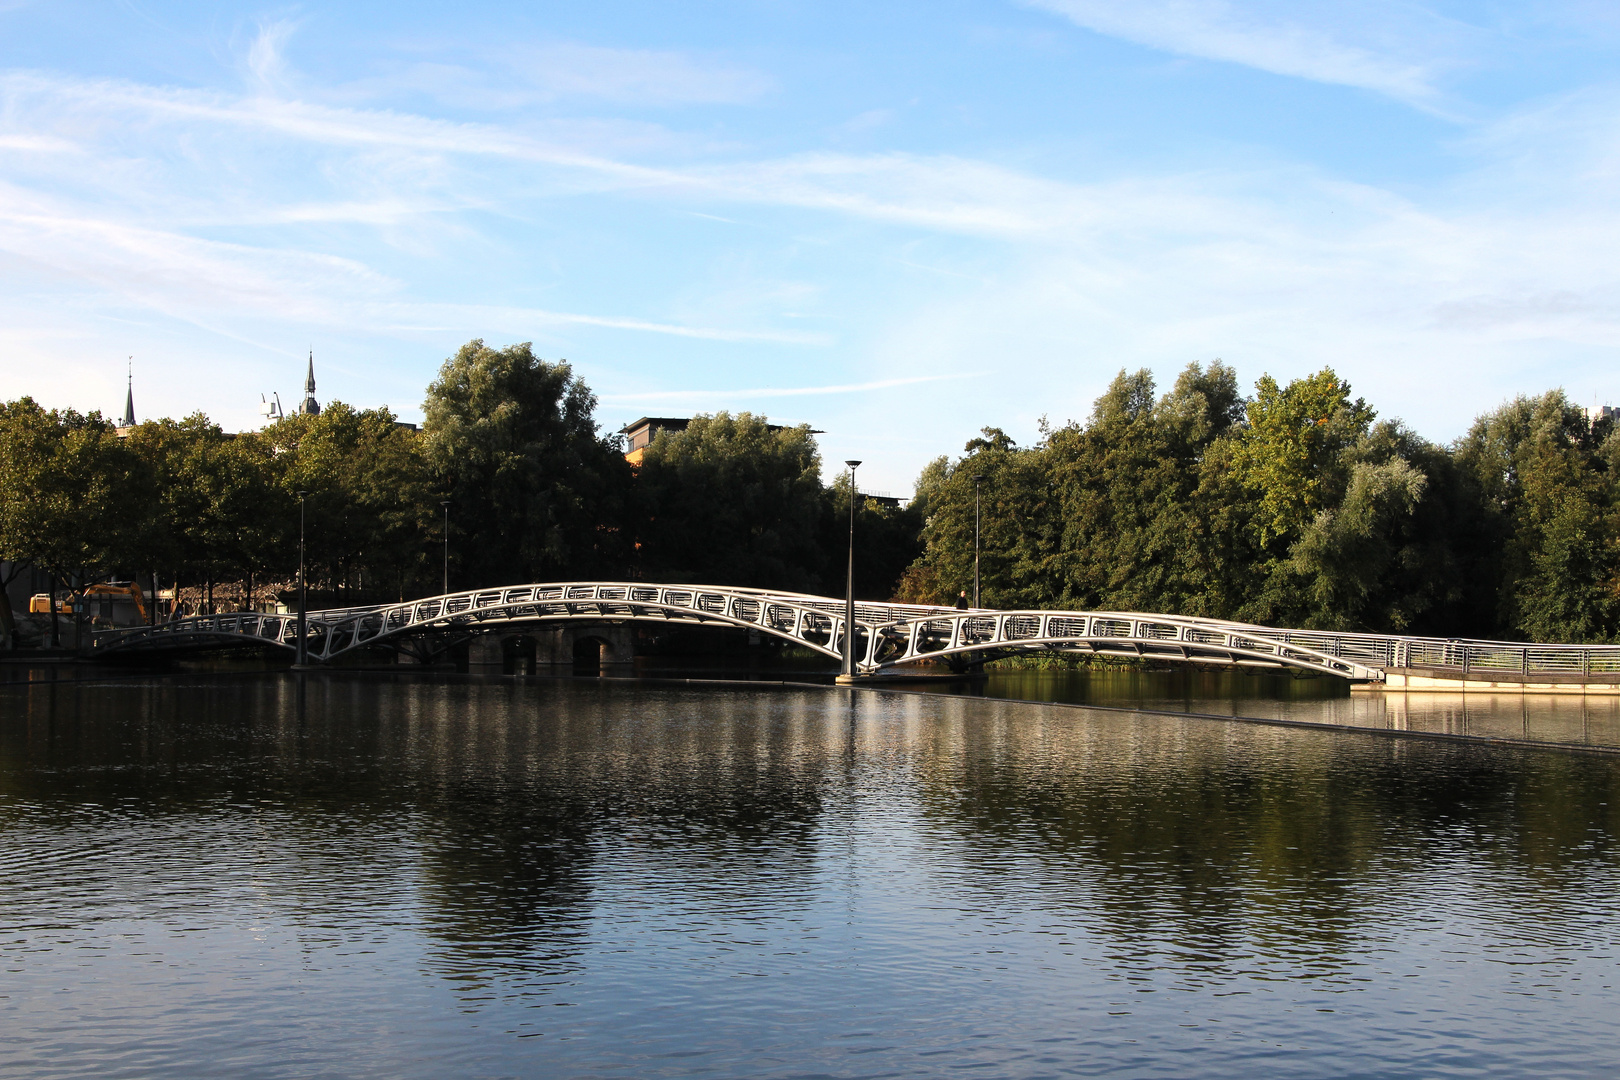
{"type": "Point", "coordinates": [360, 877]}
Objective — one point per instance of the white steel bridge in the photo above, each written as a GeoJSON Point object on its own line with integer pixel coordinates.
{"type": "Point", "coordinates": [887, 636]}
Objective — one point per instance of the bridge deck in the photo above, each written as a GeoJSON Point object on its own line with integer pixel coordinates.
{"type": "Point", "coordinates": [886, 635]}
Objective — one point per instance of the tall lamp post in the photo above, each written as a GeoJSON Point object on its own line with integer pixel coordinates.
{"type": "Point", "coordinates": [978, 479]}
{"type": "Point", "coordinates": [303, 626]}
{"type": "Point", "coordinates": [446, 505]}
{"type": "Point", "coordinates": [849, 584]}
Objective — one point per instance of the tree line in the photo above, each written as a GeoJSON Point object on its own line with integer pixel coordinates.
{"type": "Point", "coordinates": [1295, 505]}
{"type": "Point", "coordinates": [509, 467]}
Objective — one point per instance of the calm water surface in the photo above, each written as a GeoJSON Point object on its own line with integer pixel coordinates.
{"type": "Point", "coordinates": [357, 875]}
{"type": "Point", "coordinates": [1576, 720]}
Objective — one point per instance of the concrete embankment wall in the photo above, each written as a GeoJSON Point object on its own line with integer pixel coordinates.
{"type": "Point", "coordinates": [1429, 680]}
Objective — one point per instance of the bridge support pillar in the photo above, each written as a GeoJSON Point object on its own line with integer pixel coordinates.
{"type": "Point", "coordinates": [603, 648]}
{"type": "Point", "coordinates": [552, 655]}
{"type": "Point", "coordinates": [485, 655]}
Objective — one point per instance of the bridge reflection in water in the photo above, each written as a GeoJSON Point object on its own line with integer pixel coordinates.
{"type": "Point", "coordinates": [886, 636]}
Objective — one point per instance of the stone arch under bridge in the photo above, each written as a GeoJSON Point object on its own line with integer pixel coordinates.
{"type": "Point", "coordinates": [550, 649]}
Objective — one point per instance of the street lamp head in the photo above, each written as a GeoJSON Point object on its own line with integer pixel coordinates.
{"type": "Point", "coordinates": [978, 478]}
{"type": "Point", "coordinates": [852, 464]}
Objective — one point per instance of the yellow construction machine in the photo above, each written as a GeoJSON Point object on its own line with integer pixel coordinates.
{"type": "Point", "coordinates": [98, 600]}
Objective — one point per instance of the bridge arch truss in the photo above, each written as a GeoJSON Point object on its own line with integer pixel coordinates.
{"type": "Point", "coordinates": [887, 636]}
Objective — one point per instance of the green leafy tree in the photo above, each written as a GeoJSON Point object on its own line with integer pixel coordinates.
{"type": "Point", "coordinates": [72, 495]}
{"type": "Point", "coordinates": [215, 515]}
{"type": "Point", "coordinates": [920, 582]}
{"type": "Point", "coordinates": [1291, 453]}
{"type": "Point", "coordinates": [1018, 526]}
{"type": "Point", "coordinates": [28, 440]}
{"type": "Point", "coordinates": [536, 492]}
{"type": "Point", "coordinates": [888, 540]}
{"type": "Point", "coordinates": [1393, 553]}
{"type": "Point", "coordinates": [1546, 481]}
{"type": "Point", "coordinates": [371, 512]}
{"type": "Point", "coordinates": [1569, 592]}
{"type": "Point", "coordinates": [1114, 513]}
{"type": "Point", "coordinates": [733, 501]}
{"type": "Point", "coordinates": [1140, 532]}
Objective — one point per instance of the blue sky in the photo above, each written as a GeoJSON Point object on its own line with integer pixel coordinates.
{"type": "Point", "coordinates": [899, 222]}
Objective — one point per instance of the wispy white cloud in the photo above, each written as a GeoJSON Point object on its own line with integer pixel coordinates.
{"type": "Point", "coordinates": [932, 192]}
{"type": "Point", "coordinates": [107, 100]}
{"type": "Point", "coordinates": [1266, 211]}
{"type": "Point", "coordinates": [440, 316]}
{"type": "Point", "coordinates": [789, 391]}
{"type": "Point", "coordinates": [637, 76]}
{"type": "Point", "coordinates": [37, 144]}
{"type": "Point", "coordinates": [172, 272]}
{"type": "Point", "coordinates": [197, 280]}
{"type": "Point", "coordinates": [1393, 49]}
{"type": "Point", "coordinates": [529, 75]}
{"type": "Point", "coordinates": [265, 60]}
{"type": "Point", "coordinates": [1272, 267]}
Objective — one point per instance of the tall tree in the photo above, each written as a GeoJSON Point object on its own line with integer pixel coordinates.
{"type": "Point", "coordinates": [887, 540]}
{"type": "Point", "coordinates": [733, 501]}
{"type": "Point", "coordinates": [1017, 525]}
{"type": "Point", "coordinates": [1292, 451]}
{"type": "Point", "coordinates": [28, 438]}
{"type": "Point", "coordinates": [1113, 513]}
{"type": "Point", "coordinates": [369, 508]}
{"type": "Point", "coordinates": [1546, 476]}
{"type": "Point", "coordinates": [73, 497]}
{"type": "Point", "coordinates": [214, 516]}
{"type": "Point", "coordinates": [1137, 533]}
{"type": "Point", "coordinates": [537, 492]}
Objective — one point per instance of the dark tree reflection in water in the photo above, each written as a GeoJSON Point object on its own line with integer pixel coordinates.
{"type": "Point", "coordinates": [1271, 857]}
{"type": "Point", "coordinates": [364, 875]}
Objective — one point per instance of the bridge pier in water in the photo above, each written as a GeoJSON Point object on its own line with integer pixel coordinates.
{"type": "Point", "coordinates": [607, 649]}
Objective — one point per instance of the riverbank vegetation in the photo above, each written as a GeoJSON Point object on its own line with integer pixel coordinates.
{"type": "Point", "coordinates": [1294, 505]}
{"type": "Point", "coordinates": [1297, 506]}
{"type": "Point", "coordinates": [535, 492]}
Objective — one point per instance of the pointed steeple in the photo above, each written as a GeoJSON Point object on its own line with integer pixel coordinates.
{"type": "Point", "coordinates": [129, 397]}
{"type": "Point", "coordinates": [309, 406]}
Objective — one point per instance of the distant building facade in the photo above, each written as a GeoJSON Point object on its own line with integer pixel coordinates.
{"type": "Point", "coordinates": [639, 434]}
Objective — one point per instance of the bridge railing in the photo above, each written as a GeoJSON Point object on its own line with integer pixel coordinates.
{"type": "Point", "coordinates": [818, 621]}
{"type": "Point", "coordinates": [1465, 656]}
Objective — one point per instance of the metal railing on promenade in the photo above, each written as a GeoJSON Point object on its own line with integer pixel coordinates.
{"type": "Point", "coordinates": [1465, 656]}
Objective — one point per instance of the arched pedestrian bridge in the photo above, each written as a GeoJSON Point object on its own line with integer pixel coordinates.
{"type": "Point", "coordinates": [887, 636]}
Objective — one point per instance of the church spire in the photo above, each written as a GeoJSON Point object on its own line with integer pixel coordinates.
{"type": "Point", "coordinates": [309, 406]}
{"type": "Point", "coordinates": [129, 397]}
